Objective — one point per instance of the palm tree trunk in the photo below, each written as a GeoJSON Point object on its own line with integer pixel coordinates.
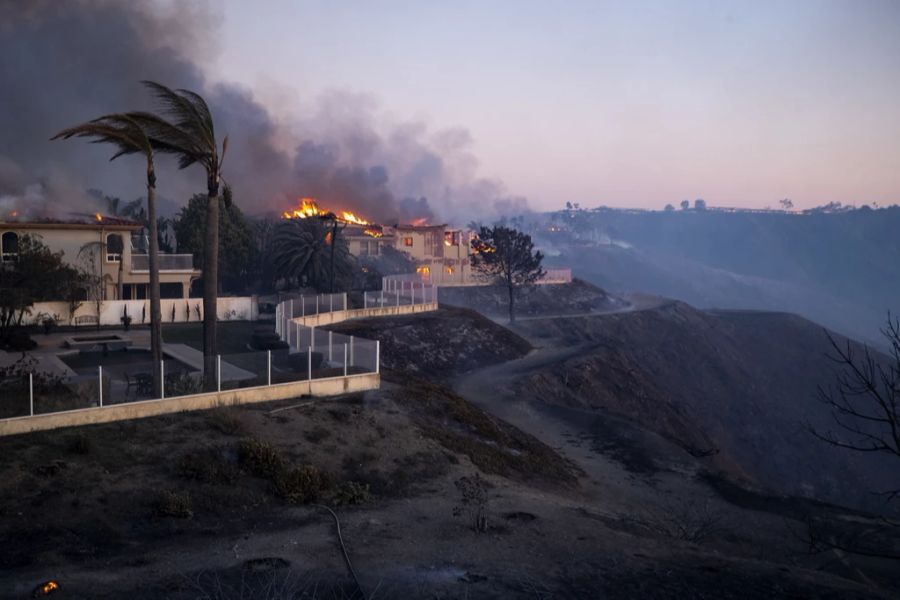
{"type": "Point", "coordinates": [155, 309]}
{"type": "Point", "coordinates": [210, 283]}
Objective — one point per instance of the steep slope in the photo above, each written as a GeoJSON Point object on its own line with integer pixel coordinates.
{"type": "Point", "coordinates": [740, 387]}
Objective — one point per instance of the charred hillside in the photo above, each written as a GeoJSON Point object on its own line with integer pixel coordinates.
{"type": "Point", "coordinates": [736, 387]}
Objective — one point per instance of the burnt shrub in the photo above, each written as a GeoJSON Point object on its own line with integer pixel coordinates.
{"type": "Point", "coordinates": [174, 504]}
{"type": "Point", "coordinates": [301, 485]}
{"type": "Point", "coordinates": [351, 492]}
{"type": "Point", "coordinates": [316, 435]}
{"type": "Point", "coordinates": [227, 420]}
{"type": "Point", "coordinates": [260, 457]}
{"type": "Point", "coordinates": [79, 444]}
{"type": "Point", "coordinates": [207, 465]}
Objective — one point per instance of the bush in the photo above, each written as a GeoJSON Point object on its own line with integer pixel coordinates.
{"type": "Point", "coordinates": [19, 340]}
{"type": "Point", "coordinates": [316, 435]}
{"type": "Point", "coordinates": [260, 457]}
{"type": "Point", "coordinates": [352, 492]}
{"type": "Point", "coordinates": [174, 504]}
{"type": "Point", "coordinates": [207, 465]}
{"type": "Point", "coordinates": [227, 420]}
{"type": "Point", "coordinates": [79, 444]}
{"type": "Point", "coordinates": [301, 485]}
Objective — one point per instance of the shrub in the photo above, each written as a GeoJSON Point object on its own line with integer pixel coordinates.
{"type": "Point", "coordinates": [206, 465]}
{"type": "Point", "coordinates": [352, 492]}
{"type": "Point", "coordinates": [473, 501]}
{"type": "Point", "coordinates": [79, 444]}
{"type": "Point", "coordinates": [174, 504]}
{"type": "Point", "coordinates": [317, 435]}
{"type": "Point", "coordinates": [260, 457]}
{"type": "Point", "coordinates": [227, 420]}
{"type": "Point", "coordinates": [301, 485]}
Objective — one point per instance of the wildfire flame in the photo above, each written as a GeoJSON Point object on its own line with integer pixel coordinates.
{"type": "Point", "coordinates": [375, 233]}
{"type": "Point", "coordinates": [48, 588]}
{"type": "Point", "coordinates": [99, 218]}
{"type": "Point", "coordinates": [308, 208]}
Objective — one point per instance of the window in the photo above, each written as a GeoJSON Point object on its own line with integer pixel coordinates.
{"type": "Point", "coordinates": [114, 247]}
{"type": "Point", "coordinates": [451, 238]}
{"type": "Point", "coordinates": [449, 270]}
{"type": "Point", "coordinates": [407, 241]}
{"type": "Point", "coordinates": [10, 246]}
{"type": "Point", "coordinates": [374, 248]}
{"type": "Point", "coordinates": [423, 270]}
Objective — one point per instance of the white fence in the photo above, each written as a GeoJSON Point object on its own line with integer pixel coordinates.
{"type": "Point", "coordinates": [174, 310]}
{"type": "Point", "coordinates": [324, 349]}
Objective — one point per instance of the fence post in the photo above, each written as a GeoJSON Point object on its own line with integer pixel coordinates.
{"type": "Point", "coordinates": [317, 304]}
{"type": "Point", "coordinates": [345, 360]}
{"type": "Point", "coordinates": [330, 302]}
{"type": "Point", "coordinates": [100, 378]}
{"type": "Point", "coordinates": [298, 337]}
{"type": "Point", "coordinates": [292, 306]}
{"type": "Point", "coordinates": [351, 351]}
{"type": "Point", "coordinates": [312, 337]}
{"type": "Point", "coordinates": [382, 295]}
{"type": "Point", "coordinates": [378, 356]}
{"type": "Point", "coordinates": [365, 299]}
{"type": "Point", "coordinates": [31, 393]}
{"type": "Point", "coordinates": [345, 300]}
{"type": "Point", "coordinates": [218, 372]}
{"type": "Point", "coordinates": [162, 379]}
{"type": "Point", "coordinates": [269, 367]}
{"type": "Point", "coordinates": [423, 292]}
{"type": "Point", "coordinates": [302, 307]}
{"type": "Point", "coordinates": [398, 297]}
{"type": "Point", "coordinates": [412, 293]}
{"type": "Point", "coordinates": [309, 365]}
{"type": "Point", "coordinates": [329, 347]}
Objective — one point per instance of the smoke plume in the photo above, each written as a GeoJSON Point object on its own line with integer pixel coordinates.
{"type": "Point", "coordinates": [65, 63]}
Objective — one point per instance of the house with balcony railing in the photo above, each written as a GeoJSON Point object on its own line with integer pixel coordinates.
{"type": "Point", "coordinates": [112, 248]}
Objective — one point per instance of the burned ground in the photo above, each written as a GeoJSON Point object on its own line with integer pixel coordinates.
{"type": "Point", "coordinates": [577, 297]}
{"type": "Point", "coordinates": [439, 344]}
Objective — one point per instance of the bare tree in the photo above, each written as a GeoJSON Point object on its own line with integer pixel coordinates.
{"type": "Point", "coordinates": [864, 402]}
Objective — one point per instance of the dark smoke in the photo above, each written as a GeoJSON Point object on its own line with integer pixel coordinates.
{"type": "Point", "coordinates": [67, 62]}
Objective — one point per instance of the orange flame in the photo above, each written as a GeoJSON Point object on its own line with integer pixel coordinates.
{"type": "Point", "coordinates": [49, 587]}
{"type": "Point", "coordinates": [308, 207]}
{"type": "Point", "coordinates": [99, 218]}
{"type": "Point", "coordinates": [420, 222]}
{"type": "Point", "coordinates": [373, 232]}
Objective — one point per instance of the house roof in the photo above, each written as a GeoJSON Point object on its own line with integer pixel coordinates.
{"type": "Point", "coordinates": [75, 221]}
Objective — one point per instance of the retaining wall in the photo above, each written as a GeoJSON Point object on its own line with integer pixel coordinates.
{"type": "Point", "coordinates": [149, 408]}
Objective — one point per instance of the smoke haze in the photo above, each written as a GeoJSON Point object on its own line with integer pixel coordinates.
{"type": "Point", "coordinates": [66, 63]}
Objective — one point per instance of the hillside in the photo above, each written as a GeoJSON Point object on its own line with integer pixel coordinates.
{"type": "Point", "coordinates": [737, 386]}
{"type": "Point", "coordinates": [836, 269]}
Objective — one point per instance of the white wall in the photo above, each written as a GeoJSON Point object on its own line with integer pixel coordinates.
{"type": "Point", "coordinates": [240, 308]}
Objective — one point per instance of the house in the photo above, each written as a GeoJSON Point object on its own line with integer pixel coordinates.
{"type": "Point", "coordinates": [442, 255]}
{"type": "Point", "coordinates": [110, 247]}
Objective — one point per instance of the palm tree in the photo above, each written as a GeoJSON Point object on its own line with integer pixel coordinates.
{"type": "Point", "coordinates": [303, 248]}
{"type": "Point", "coordinates": [128, 136]}
{"type": "Point", "coordinates": [190, 135]}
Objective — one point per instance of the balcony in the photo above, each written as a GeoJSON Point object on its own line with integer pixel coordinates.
{"type": "Point", "coordinates": [140, 263]}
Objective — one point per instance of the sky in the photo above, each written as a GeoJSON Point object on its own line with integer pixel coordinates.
{"type": "Point", "coordinates": [631, 103]}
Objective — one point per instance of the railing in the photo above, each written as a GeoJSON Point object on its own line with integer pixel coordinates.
{"type": "Point", "coordinates": [401, 290]}
{"type": "Point", "coordinates": [167, 262]}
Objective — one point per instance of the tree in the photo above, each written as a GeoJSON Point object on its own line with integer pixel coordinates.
{"type": "Point", "coordinates": [669, 208]}
{"type": "Point", "coordinates": [191, 137]}
{"type": "Point", "coordinates": [864, 402]}
{"type": "Point", "coordinates": [302, 249]}
{"type": "Point", "coordinates": [699, 204]}
{"type": "Point", "coordinates": [507, 256]}
{"type": "Point", "coordinates": [786, 203]}
{"type": "Point", "coordinates": [236, 247]}
{"type": "Point", "coordinates": [128, 134]}
{"type": "Point", "coordinates": [36, 275]}
{"type": "Point", "coordinates": [90, 257]}
{"type": "Point", "coordinates": [685, 204]}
